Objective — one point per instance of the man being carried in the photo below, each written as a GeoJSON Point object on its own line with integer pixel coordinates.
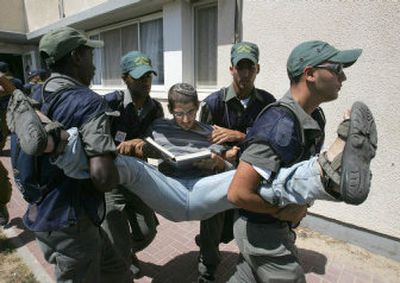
{"type": "Point", "coordinates": [199, 198]}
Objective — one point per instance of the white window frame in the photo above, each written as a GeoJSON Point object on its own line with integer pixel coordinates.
{"type": "Point", "coordinates": [202, 88]}
{"type": "Point", "coordinates": [138, 21]}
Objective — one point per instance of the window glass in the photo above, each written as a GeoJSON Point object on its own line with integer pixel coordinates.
{"type": "Point", "coordinates": [130, 40]}
{"type": "Point", "coordinates": [206, 32]}
{"type": "Point", "coordinates": [111, 73]}
{"type": "Point", "coordinates": [97, 61]}
{"type": "Point", "coordinates": [151, 43]}
{"type": "Point", "coordinates": [119, 41]}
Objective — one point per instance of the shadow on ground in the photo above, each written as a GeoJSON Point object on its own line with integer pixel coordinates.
{"type": "Point", "coordinates": [183, 268]}
{"type": "Point", "coordinates": [22, 238]}
{"type": "Point", "coordinates": [312, 261]}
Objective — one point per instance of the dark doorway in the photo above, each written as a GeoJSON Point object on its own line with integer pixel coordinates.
{"type": "Point", "coordinates": [15, 62]}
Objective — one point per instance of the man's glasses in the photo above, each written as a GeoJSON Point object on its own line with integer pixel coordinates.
{"type": "Point", "coordinates": [337, 68]}
{"type": "Point", "coordinates": [190, 114]}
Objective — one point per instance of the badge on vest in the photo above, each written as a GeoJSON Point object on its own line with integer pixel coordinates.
{"type": "Point", "coordinates": [120, 136]}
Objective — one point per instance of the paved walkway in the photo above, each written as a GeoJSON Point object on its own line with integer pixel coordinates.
{"type": "Point", "coordinates": [173, 254]}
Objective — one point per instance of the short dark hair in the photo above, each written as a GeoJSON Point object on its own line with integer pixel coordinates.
{"type": "Point", "coordinates": [182, 93]}
{"type": "Point", "coordinates": [60, 65]}
{"type": "Point", "coordinates": [294, 80]}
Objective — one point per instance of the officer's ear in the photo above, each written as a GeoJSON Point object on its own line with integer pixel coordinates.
{"type": "Point", "coordinates": [257, 68]}
{"type": "Point", "coordinates": [309, 73]}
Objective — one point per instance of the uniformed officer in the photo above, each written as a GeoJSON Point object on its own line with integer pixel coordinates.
{"type": "Point", "coordinates": [129, 221]}
{"type": "Point", "coordinates": [67, 214]}
{"type": "Point", "coordinates": [288, 132]}
{"type": "Point", "coordinates": [232, 111]}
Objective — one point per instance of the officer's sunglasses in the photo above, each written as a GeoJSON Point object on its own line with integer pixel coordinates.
{"type": "Point", "coordinates": [337, 68]}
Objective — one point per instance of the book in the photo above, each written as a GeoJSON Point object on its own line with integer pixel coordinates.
{"type": "Point", "coordinates": [180, 160]}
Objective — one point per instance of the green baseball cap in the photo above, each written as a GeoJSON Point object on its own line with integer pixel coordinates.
{"type": "Point", "coordinates": [313, 53]}
{"type": "Point", "coordinates": [244, 50]}
{"type": "Point", "coordinates": [59, 42]}
{"type": "Point", "coordinates": [136, 64]}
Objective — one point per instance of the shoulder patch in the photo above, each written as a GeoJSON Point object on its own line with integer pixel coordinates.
{"type": "Point", "coordinates": [283, 132]}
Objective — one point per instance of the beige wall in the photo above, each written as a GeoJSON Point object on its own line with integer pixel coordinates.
{"type": "Point", "coordinates": [42, 13]}
{"type": "Point", "coordinates": [75, 6]}
{"type": "Point", "coordinates": [12, 16]}
{"type": "Point", "coordinates": [278, 26]}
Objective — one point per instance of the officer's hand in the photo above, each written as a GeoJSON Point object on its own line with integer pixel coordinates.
{"type": "Point", "coordinates": [292, 213]}
{"type": "Point", "coordinates": [215, 163]}
{"type": "Point", "coordinates": [6, 86]}
{"type": "Point", "coordinates": [129, 147]}
{"type": "Point", "coordinates": [221, 135]}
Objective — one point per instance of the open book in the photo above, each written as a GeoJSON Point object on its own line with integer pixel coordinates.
{"type": "Point", "coordinates": [181, 160]}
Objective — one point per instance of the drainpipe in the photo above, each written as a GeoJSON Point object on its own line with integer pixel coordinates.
{"type": "Point", "coordinates": [238, 20]}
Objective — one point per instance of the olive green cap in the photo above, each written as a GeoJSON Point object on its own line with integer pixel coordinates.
{"type": "Point", "coordinates": [136, 64]}
{"type": "Point", "coordinates": [59, 42]}
{"type": "Point", "coordinates": [244, 50]}
{"type": "Point", "coordinates": [313, 53]}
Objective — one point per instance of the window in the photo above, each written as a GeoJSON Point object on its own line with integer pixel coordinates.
{"type": "Point", "coordinates": [205, 45]}
{"type": "Point", "coordinates": [144, 36]}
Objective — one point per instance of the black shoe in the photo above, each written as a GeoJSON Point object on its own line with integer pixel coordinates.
{"type": "Point", "coordinates": [205, 279]}
{"type": "Point", "coordinates": [135, 267]}
{"type": "Point", "coordinates": [197, 240]}
{"type": "Point", "coordinates": [4, 216]}
{"type": "Point", "coordinates": [206, 272]}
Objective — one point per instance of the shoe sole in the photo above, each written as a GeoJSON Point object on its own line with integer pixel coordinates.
{"type": "Point", "coordinates": [360, 148]}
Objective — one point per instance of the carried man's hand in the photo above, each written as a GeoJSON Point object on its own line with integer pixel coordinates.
{"type": "Point", "coordinates": [215, 163]}
{"type": "Point", "coordinates": [131, 147]}
{"type": "Point", "coordinates": [221, 135]}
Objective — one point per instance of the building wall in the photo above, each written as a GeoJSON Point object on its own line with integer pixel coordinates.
{"type": "Point", "coordinates": [40, 13]}
{"type": "Point", "coordinates": [12, 16]}
{"type": "Point", "coordinates": [75, 6]}
{"type": "Point", "coordinates": [374, 26]}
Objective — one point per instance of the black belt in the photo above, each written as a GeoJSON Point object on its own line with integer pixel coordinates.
{"type": "Point", "coordinates": [259, 218]}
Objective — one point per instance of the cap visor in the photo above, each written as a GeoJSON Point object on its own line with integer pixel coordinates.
{"type": "Point", "coordinates": [94, 43]}
{"type": "Point", "coordinates": [242, 57]}
{"type": "Point", "coordinates": [346, 57]}
{"type": "Point", "coordinates": [138, 72]}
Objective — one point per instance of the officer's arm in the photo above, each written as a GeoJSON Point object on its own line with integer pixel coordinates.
{"type": "Point", "coordinates": [243, 193]}
{"type": "Point", "coordinates": [103, 172]}
{"type": "Point", "coordinates": [243, 190]}
{"type": "Point", "coordinates": [100, 149]}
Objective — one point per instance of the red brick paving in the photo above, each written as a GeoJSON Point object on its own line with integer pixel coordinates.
{"type": "Point", "coordinates": [172, 257]}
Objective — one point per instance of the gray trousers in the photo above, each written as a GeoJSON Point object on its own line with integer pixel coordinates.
{"type": "Point", "coordinates": [83, 253]}
{"type": "Point", "coordinates": [268, 253]}
{"type": "Point", "coordinates": [130, 223]}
